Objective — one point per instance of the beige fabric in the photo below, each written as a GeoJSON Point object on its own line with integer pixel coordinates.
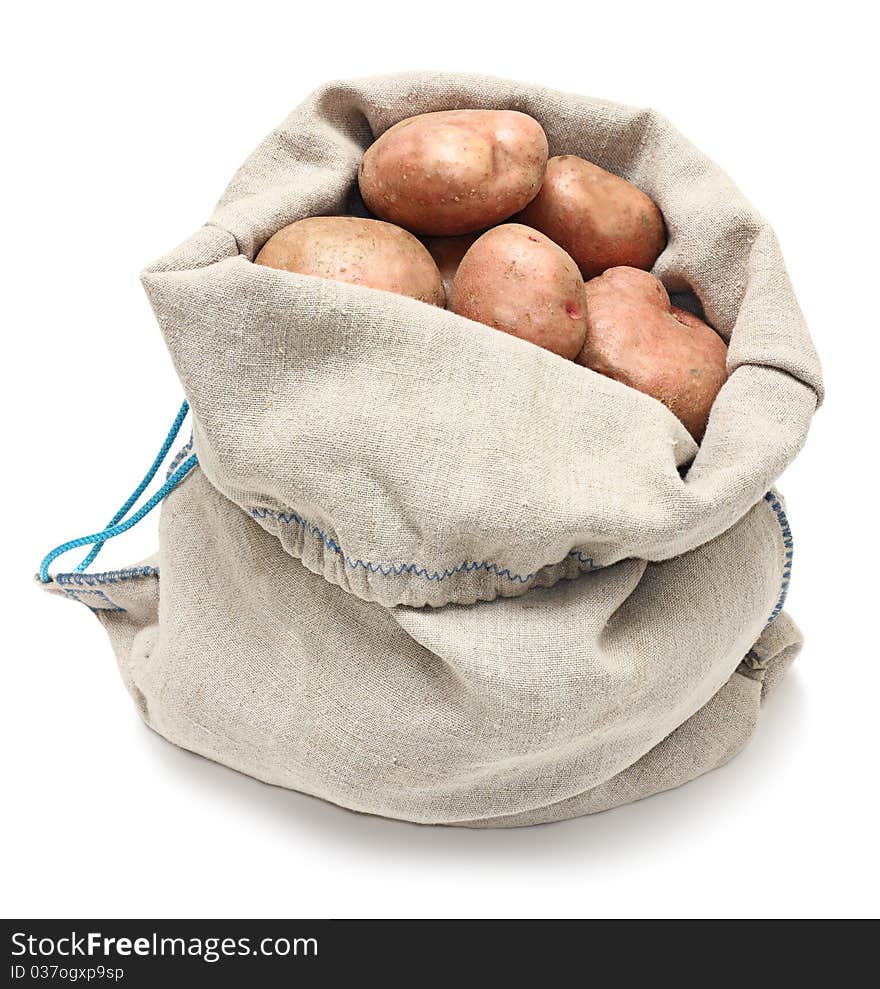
{"type": "Point", "coordinates": [412, 439]}
{"type": "Point", "coordinates": [560, 702]}
{"type": "Point", "coordinates": [599, 589]}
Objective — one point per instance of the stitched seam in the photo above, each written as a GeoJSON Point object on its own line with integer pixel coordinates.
{"type": "Point", "coordinates": [413, 569]}
{"type": "Point", "coordinates": [179, 457]}
{"type": "Point", "coordinates": [753, 661]}
{"type": "Point", "coordinates": [78, 596]}
{"type": "Point", "coordinates": [788, 543]}
{"type": "Point", "coordinates": [109, 577]}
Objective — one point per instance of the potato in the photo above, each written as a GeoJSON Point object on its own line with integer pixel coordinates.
{"type": "Point", "coordinates": [517, 280]}
{"type": "Point", "coordinates": [636, 336]}
{"type": "Point", "coordinates": [363, 252]}
{"type": "Point", "coordinates": [447, 253]}
{"type": "Point", "coordinates": [601, 219]}
{"type": "Point", "coordinates": [454, 171]}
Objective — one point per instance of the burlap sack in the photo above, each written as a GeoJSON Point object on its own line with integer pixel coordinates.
{"type": "Point", "coordinates": [429, 571]}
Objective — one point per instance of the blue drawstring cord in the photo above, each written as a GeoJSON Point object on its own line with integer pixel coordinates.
{"type": "Point", "coordinates": [116, 526]}
{"type": "Point", "coordinates": [142, 487]}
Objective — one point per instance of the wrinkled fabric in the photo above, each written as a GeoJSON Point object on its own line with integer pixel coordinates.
{"type": "Point", "coordinates": [429, 571]}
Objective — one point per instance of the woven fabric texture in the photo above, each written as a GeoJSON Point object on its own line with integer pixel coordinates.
{"type": "Point", "coordinates": [429, 571]}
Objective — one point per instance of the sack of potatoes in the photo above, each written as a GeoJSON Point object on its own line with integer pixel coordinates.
{"type": "Point", "coordinates": [490, 385]}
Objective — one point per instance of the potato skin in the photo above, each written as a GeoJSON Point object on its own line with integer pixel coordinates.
{"type": "Point", "coordinates": [360, 251]}
{"type": "Point", "coordinates": [637, 337]}
{"type": "Point", "coordinates": [517, 280]}
{"type": "Point", "coordinates": [602, 220]}
{"type": "Point", "coordinates": [454, 171]}
{"type": "Point", "coordinates": [447, 253]}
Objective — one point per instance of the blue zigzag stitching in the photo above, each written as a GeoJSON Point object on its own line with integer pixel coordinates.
{"type": "Point", "coordinates": [179, 457]}
{"type": "Point", "coordinates": [398, 569]}
{"type": "Point", "coordinates": [788, 542]}
{"type": "Point", "coordinates": [109, 577]}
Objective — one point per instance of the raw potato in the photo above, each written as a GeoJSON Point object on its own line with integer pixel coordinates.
{"type": "Point", "coordinates": [447, 253]}
{"type": "Point", "coordinates": [454, 171]}
{"type": "Point", "coordinates": [517, 280]}
{"type": "Point", "coordinates": [363, 252]}
{"type": "Point", "coordinates": [601, 219]}
{"type": "Point", "coordinates": [636, 336]}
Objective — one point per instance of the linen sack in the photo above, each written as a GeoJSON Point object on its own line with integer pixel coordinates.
{"type": "Point", "coordinates": [430, 571]}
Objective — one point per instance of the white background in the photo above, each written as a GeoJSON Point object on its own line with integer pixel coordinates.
{"type": "Point", "coordinates": [122, 125]}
